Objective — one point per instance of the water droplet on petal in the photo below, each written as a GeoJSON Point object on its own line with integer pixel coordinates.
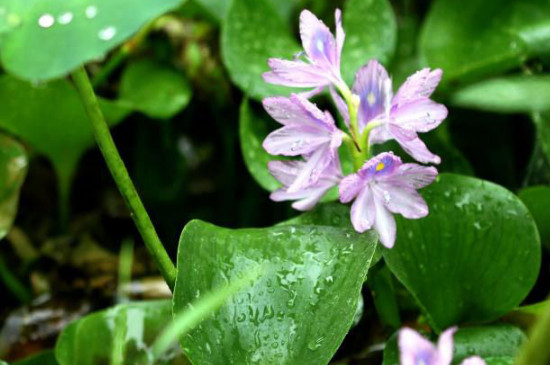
{"type": "Point", "coordinates": [65, 18]}
{"type": "Point", "coordinates": [46, 21]}
{"type": "Point", "coordinates": [106, 34]}
{"type": "Point", "coordinates": [91, 12]}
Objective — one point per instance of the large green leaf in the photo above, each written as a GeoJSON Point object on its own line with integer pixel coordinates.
{"type": "Point", "coordinates": [537, 200]}
{"type": "Point", "coordinates": [219, 8]}
{"type": "Point", "coordinates": [471, 38]}
{"type": "Point", "coordinates": [253, 32]}
{"type": "Point", "coordinates": [51, 118]}
{"type": "Point", "coordinates": [474, 258]}
{"type": "Point", "coordinates": [13, 169]}
{"type": "Point", "coordinates": [284, 317]}
{"type": "Point", "coordinates": [155, 89]}
{"type": "Point", "coordinates": [43, 358]}
{"type": "Point", "coordinates": [252, 132]}
{"type": "Point", "coordinates": [542, 123]}
{"type": "Point", "coordinates": [69, 33]}
{"type": "Point", "coordinates": [371, 32]}
{"type": "Point", "coordinates": [498, 344]}
{"type": "Point", "coordinates": [126, 331]}
{"type": "Point", "coordinates": [513, 94]}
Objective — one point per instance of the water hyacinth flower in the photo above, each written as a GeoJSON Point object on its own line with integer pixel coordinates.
{"type": "Point", "coordinates": [385, 185]}
{"type": "Point", "coordinates": [400, 117]}
{"type": "Point", "coordinates": [287, 171]}
{"type": "Point", "coordinates": [322, 52]}
{"type": "Point", "coordinates": [306, 131]}
{"type": "Point", "coordinates": [416, 350]}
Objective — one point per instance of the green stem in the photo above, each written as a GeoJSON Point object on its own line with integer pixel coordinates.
{"type": "Point", "coordinates": [122, 178]}
{"type": "Point", "coordinates": [536, 351]}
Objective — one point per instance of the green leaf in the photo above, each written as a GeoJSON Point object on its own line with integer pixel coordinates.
{"type": "Point", "coordinates": [514, 94]}
{"type": "Point", "coordinates": [125, 332]}
{"type": "Point", "coordinates": [219, 8]}
{"type": "Point", "coordinates": [155, 89]}
{"type": "Point", "coordinates": [252, 33]}
{"type": "Point", "coordinates": [542, 123]}
{"type": "Point", "coordinates": [284, 317]}
{"type": "Point", "coordinates": [67, 34]}
{"type": "Point", "coordinates": [537, 199]}
{"type": "Point", "coordinates": [459, 37]}
{"type": "Point", "coordinates": [252, 132]}
{"type": "Point", "coordinates": [497, 344]}
{"type": "Point", "coordinates": [51, 118]}
{"type": "Point", "coordinates": [43, 358]}
{"type": "Point", "coordinates": [458, 262]}
{"type": "Point", "coordinates": [13, 169]}
{"type": "Point", "coordinates": [371, 32]}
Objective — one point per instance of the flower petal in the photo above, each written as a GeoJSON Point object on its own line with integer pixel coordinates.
{"type": "Point", "coordinates": [340, 105]}
{"type": "Point", "coordinates": [384, 222]}
{"type": "Point", "coordinates": [421, 115]}
{"type": "Point", "coordinates": [419, 85]}
{"type": "Point", "coordinates": [305, 199]}
{"type": "Point", "coordinates": [402, 200]}
{"type": "Point", "coordinates": [285, 171]}
{"type": "Point", "coordinates": [318, 41]}
{"type": "Point", "coordinates": [418, 150]}
{"type": "Point", "coordinates": [445, 347]}
{"type": "Point", "coordinates": [370, 86]}
{"type": "Point", "coordinates": [295, 140]}
{"type": "Point", "coordinates": [413, 176]}
{"type": "Point", "coordinates": [340, 35]}
{"type": "Point", "coordinates": [349, 187]}
{"type": "Point", "coordinates": [473, 360]}
{"type": "Point", "coordinates": [315, 165]}
{"type": "Point", "coordinates": [295, 74]}
{"type": "Point", "coordinates": [413, 347]}
{"type": "Point", "coordinates": [363, 210]}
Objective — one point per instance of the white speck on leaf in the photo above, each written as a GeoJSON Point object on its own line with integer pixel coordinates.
{"type": "Point", "coordinates": [91, 12]}
{"type": "Point", "coordinates": [106, 34]}
{"type": "Point", "coordinates": [65, 18]}
{"type": "Point", "coordinates": [46, 21]}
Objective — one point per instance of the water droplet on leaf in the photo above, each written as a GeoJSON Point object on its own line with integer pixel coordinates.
{"type": "Point", "coordinates": [46, 21]}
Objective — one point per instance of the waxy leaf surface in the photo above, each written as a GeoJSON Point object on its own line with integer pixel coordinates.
{"type": "Point", "coordinates": [537, 199]}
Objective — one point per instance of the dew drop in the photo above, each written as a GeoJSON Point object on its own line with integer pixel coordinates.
{"type": "Point", "coordinates": [107, 33]}
{"type": "Point", "coordinates": [65, 18]}
{"type": "Point", "coordinates": [46, 21]}
{"type": "Point", "coordinates": [91, 12]}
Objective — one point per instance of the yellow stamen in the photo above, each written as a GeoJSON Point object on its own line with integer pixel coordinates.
{"type": "Point", "coordinates": [380, 166]}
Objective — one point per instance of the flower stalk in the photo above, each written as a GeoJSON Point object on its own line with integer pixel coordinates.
{"type": "Point", "coordinates": [536, 350]}
{"type": "Point", "coordinates": [122, 178]}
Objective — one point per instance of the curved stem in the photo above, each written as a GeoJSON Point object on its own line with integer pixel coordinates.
{"type": "Point", "coordinates": [536, 351]}
{"type": "Point", "coordinates": [122, 178]}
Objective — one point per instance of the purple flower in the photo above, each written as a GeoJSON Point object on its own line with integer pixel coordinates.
{"type": "Point", "coordinates": [287, 172]}
{"type": "Point", "coordinates": [416, 350]}
{"type": "Point", "coordinates": [306, 131]}
{"type": "Point", "coordinates": [322, 56]}
{"type": "Point", "coordinates": [384, 185]}
{"type": "Point", "coordinates": [398, 117]}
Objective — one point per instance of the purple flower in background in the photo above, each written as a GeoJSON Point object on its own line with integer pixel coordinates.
{"type": "Point", "coordinates": [287, 172]}
{"type": "Point", "coordinates": [384, 185]}
{"type": "Point", "coordinates": [398, 117]}
{"type": "Point", "coordinates": [322, 56]}
{"type": "Point", "coordinates": [306, 131]}
{"type": "Point", "coordinates": [416, 350]}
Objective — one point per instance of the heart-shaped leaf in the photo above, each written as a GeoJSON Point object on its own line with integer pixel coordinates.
{"type": "Point", "coordinates": [253, 32]}
{"type": "Point", "coordinates": [155, 89]}
{"type": "Point", "coordinates": [67, 34]}
{"type": "Point", "coordinates": [126, 332]}
{"type": "Point", "coordinates": [284, 317]}
{"type": "Point", "coordinates": [515, 94]}
{"type": "Point", "coordinates": [13, 169]}
{"type": "Point", "coordinates": [537, 199]}
{"type": "Point", "coordinates": [474, 258]}
{"type": "Point", "coordinates": [497, 344]}
{"type": "Point", "coordinates": [458, 37]}
{"type": "Point", "coordinates": [43, 358]}
{"type": "Point", "coordinates": [51, 118]}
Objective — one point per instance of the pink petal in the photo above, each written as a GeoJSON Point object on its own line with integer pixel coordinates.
{"type": "Point", "coordinates": [413, 347]}
{"type": "Point", "coordinates": [369, 85]}
{"type": "Point", "coordinates": [419, 85]}
{"type": "Point", "coordinates": [402, 200]}
{"type": "Point", "coordinates": [363, 210]}
{"type": "Point", "coordinates": [384, 222]}
{"type": "Point", "coordinates": [421, 115]}
{"type": "Point", "coordinates": [418, 150]}
{"type": "Point", "coordinates": [295, 74]}
{"type": "Point", "coordinates": [318, 41]}
{"type": "Point", "coordinates": [445, 347]}
{"type": "Point", "coordinates": [380, 135]}
{"type": "Point", "coordinates": [350, 187]}
{"type": "Point", "coordinates": [285, 171]}
{"type": "Point", "coordinates": [473, 360]}
{"type": "Point", "coordinates": [413, 176]}
{"type": "Point", "coordinates": [312, 169]}
{"type": "Point", "coordinates": [305, 199]}
{"type": "Point", "coordinates": [295, 141]}
{"type": "Point", "coordinates": [401, 134]}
